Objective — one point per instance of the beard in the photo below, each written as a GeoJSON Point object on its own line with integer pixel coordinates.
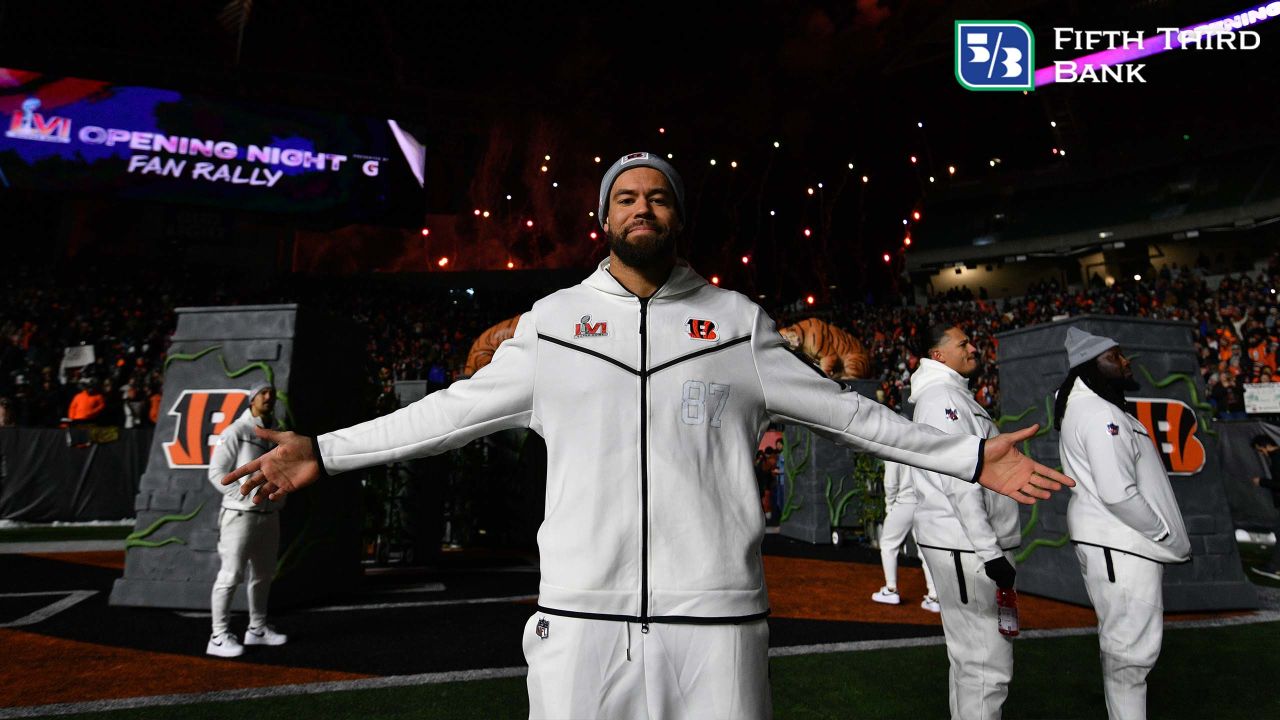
{"type": "Point", "coordinates": [645, 251]}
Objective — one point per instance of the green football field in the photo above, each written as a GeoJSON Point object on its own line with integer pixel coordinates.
{"type": "Point", "coordinates": [1207, 673]}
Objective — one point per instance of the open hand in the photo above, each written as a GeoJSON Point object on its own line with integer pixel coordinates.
{"type": "Point", "coordinates": [290, 466]}
{"type": "Point", "coordinates": [1009, 472]}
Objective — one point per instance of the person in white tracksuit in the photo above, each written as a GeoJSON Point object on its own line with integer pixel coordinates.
{"type": "Point", "coordinates": [652, 388]}
{"type": "Point", "coordinates": [248, 534]}
{"type": "Point", "coordinates": [900, 512]}
{"type": "Point", "coordinates": [965, 532]}
{"type": "Point", "coordinates": [1122, 516]}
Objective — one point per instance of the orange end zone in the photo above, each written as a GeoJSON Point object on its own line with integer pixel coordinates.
{"type": "Point", "coordinates": [40, 670]}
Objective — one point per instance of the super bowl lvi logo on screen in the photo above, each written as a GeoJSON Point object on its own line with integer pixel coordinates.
{"type": "Point", "coordinates": [1172, 426]}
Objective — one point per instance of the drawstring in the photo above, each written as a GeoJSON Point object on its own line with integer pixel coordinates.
{"type": "Point", "coordinates": [628, 642]}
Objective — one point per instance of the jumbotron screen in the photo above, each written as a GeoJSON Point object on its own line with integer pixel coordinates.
{"type": "Point", "coordinates": [88, 136]}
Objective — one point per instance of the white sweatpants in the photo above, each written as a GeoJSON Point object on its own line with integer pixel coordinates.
{"type": "Point", "coordinates": [1128, 595]}
{"type": "Point", "coordinates": [981, 658]}
{"type": "Point", "coordinates": [610, 669]}
{"type": "Point", "coordinates": [249, 539]}
{"type": "Point", "coordinates": [897, 524]}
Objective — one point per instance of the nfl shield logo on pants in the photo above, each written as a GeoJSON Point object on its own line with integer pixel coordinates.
{"type": "Point", "coordinates": [544, 628]}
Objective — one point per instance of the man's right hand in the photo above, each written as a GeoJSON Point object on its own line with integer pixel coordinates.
{"type": "Point", "coordinates": [290, 466]}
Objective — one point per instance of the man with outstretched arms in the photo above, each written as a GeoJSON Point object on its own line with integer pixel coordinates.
{"type": "Point", "coordinates": [652, 388]}
{"type": "Point", "coordinates": [965, 532]}
{"type": "Point", "coordinates": [1122, 516]}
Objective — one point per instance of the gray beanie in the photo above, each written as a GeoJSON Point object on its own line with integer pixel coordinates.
{"type": "Point", "coordinates": [257, 388]}
{"type": "Point", "coordinates": [635, 160]}
{"type": "Point", "coordinates": [1083, 347]}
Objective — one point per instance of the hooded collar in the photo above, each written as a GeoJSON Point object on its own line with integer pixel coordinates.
{"type": "Point", "coordinates": [931, 373]}
{"type": "Point", "coordinates": [682, 280]}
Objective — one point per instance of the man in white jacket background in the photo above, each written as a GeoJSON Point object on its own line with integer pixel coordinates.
{"type": "Point", "coordinates": [248, 533]}
{"type": "Point", "coordinates": [900, 511]}
{"type": "Point", "coordinates": [1122, 516]}
{"type": "Point", "coordinates": [965, 532]}
{"type": "Point", "coordinates": [652, 388]}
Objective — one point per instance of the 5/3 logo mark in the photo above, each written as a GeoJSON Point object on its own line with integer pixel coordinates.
{"type": "Point", "coordinates": [695, 398]}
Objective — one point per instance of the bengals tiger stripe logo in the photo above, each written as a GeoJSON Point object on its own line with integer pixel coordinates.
{"type": "Point", "coordinates": [201, 416]}
{"type": "Point", "coordinates": [1171, 425]}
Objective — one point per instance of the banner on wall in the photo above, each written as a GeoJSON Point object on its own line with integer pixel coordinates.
{"type": "Point", "coordinates": [1261, 398]}
{"type": "Point", "coordinates": [77, 135]}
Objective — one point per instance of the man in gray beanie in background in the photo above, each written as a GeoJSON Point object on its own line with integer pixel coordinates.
{"type": "Point", "coordinates": [651, 387]}
{"type": "Point", "coordinates": [248, 534]}
{"type": "Point", "coordinates": [1122, 516]}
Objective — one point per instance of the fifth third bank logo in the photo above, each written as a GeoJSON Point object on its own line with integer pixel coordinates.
{"type": "Point", "coordinates": [995, 55]}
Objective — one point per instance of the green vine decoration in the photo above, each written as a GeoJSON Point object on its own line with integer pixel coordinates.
{"type": "Point", "coordinates": [837, 503]}
{"type": "Point", "coordinates": [793, 470]}
{"type": "Point", "coordinates": [153, 544]}
{"type": "Point", "coordinates": [287, 423]}
{"type": "Point", "coordinates": [1196, 402]}
{"type": "Point", "coordinates": [1031, 523]}
{"type": "Point", "coordinates": [189, 357]}
{"type": "Point", "coordinates": [1013, 418]}
{"type": "Point", "coordinates": [135, 539]}
{"type": "Point", "coordinates": [1039, 543]}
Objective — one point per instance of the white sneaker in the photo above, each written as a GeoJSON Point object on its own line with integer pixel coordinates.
{"type": "Point", "coordinates": [265, 635]}
{"type": "Point", "coordinates": [930, 603]}
{"type": "Point", "coordinates": [224, 645]}
{"type": "Point", "coordinates": [887, 596]}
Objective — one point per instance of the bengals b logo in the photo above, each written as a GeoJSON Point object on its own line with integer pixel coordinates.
{"type": "Point", "coordinates": [701, 329]}
{"type": "Point", "coordinates": [201, 415]}
{"type": "Point", "coordinates": [1172, 427]}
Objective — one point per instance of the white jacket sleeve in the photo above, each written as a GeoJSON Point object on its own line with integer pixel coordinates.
{"type": "Point", "coordinates": [798, 393]}
{"type": "Point", "coordinates": [1113, 459]}
{"type": "Point", "coordinates": [966, 499]}
{"type": "Point", "coordinates": [498, 397]}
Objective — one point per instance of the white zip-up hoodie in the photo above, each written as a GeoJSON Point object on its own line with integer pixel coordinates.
{"type": "Point", "coordinates": [955, 515]}
{"type": "Point", "coordinates": [1122, 499]}
{"type": "Point", "coordinates": [651, 410]}
{"type": "Point", "coordinates": [237, 446]}
{"type": "Point", "coordinates": [899, 488]}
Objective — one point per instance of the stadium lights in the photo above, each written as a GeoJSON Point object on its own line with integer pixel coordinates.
{"type": "Point", "coordinates": [913, 159]}
{"type": "Point", "coordinates": [807, 232]}
{"type": "Point", "coordinates": [907, 241]}
{"type": "Point", "coordinates": [544, 168]}
{"type": "Point", "coordinates": [670, 156]}
{"type": "Point", "coordinates": [426, 232]}
{"type": "Point", "coordinates": [810, 299]}
{"type": "Point", "coordinates": [597, 158]}
{"type": "Point", "coordinates": [1137, 277]}
{"type": "Point", "coordinates": [1053, 123]}
{"type": "Point", "coordinates": [713, 161]}
{"type": "Point", "coordinates": [733, 164]}
{"type": "Point", "coordinates": [508, 197]}
{"type": "Point", "coordinates": [662, 131]}
{"type": "Point", "coordinates": [819, 186]}
{"type": "Point", "coordinates": [528, 223]}
{"type": "Point", "coordinates": [594, 235]}
{"type": "Point", "coordinates": [715, 279]}
{"type": "Point", "coordinates": [915, 215]}
{"type": "Point", "coordinates": [904, 221]}
{"type": "Point", "coordinates": [442, 261]}
{"type": "Point", "coordinates": [746, 259]}
{"type": "Point", "coordinates": [777, 144]}
{"type": "Point", "coordinates": [547, 158]}
{"type": "Point", "coordinates": [810, 191]}
{"type": "Point", "coordinates": [772, 213]}
{"type": "Point", "coordinates": [477, 211]}
{"type": "Point", "coordinates": [510, 265]}
{"type": "Point", "coordinates": [484, 214]}
{"type": "Point", "coordinates": [886, 257]}
{"type": "Point", "coordinates": [555, 184]}
{"type": "Point", "coordinates": [866, 179]}
{"type": "Point", "coordinates": [951, 169]}
{"type": "Point", "coordinates": [850, 166]}
{"type": "Point", "coordinates": [931, 178]}
{"type": "Point", "coordinates": [919, 124]}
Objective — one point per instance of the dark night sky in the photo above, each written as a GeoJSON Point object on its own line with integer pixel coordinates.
{"type": "Point", "coordinates": [834, 82]}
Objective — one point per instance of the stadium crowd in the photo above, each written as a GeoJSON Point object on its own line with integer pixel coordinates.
{"type": "Point", "coordinates": [417, 333]}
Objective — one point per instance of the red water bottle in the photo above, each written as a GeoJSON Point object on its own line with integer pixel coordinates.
{"type": "Point", "coordinates": [1007, 611]}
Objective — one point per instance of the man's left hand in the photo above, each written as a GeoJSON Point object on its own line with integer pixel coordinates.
{"type": "Point", "coordinates": [1009, 472]}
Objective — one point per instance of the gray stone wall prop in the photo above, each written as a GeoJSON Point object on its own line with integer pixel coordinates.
{"type": "Point", "coordinates": [1033, 364]}
{"type": "Point", "coordinates": [171, 558]}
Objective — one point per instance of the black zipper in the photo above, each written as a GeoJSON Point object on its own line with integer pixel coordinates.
{"type": "Point", "coordinates": [644, 466]}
